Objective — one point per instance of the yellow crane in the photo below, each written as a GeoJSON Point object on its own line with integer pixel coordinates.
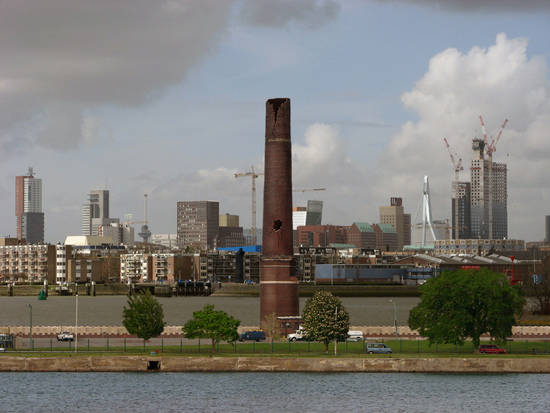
{"type": "Point", "coordinates": [253, 174]}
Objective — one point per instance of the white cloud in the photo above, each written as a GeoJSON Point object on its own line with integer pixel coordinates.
{"type": "Point", "coordinates": [61, 58]}
{"type": "Point", "coordinates": [498, 82]}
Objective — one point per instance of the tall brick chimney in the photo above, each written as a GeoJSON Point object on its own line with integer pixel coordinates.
{"type": "Point", "coordinates": [278, 283]}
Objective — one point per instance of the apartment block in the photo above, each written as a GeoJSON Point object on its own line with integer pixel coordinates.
{"type": "Point", "coordinates": [136, 267]}
{"type": "Point", "coordinates": [197, 224]}
{"type": "Point", "coordinates": [28, 263]}
{"type": "Point", "coordinates": [478, 246]}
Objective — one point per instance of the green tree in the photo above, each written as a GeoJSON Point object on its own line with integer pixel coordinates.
{"type": "Point", "coordinates": [144, 316]}
{"type": "Point", "coordinates": [467, 303]}
{"type": "Point", "coordinates": [325, 319]}
{"type": "Point", "coordinates": [216, 325]}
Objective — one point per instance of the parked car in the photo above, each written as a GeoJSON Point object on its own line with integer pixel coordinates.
{"type": "Point", "coordinates": [65, 336]}
{"type": "Point", "coordinates": [377, 348]}
{"type": "Point", "coordinates": [299, 335]}
{"type": "Point", "coordinates": [355, 335]}
{"type": "Point", "coordinates": [252, 336]}
{"type": "Point", "coordinates": [491, 349]}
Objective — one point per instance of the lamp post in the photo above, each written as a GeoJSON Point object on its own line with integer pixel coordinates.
{"type": "Point", "coordinates": [395, 317]}
{"type": "Point", "coordinates": [335, 338]}
{"type": "Point", "coordinates": [76, 324]}
{"type": "Point", "coordinates": [30, 325]}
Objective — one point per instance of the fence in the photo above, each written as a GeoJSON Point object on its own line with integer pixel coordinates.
{"type": "Point", "coordinates": [186, 346]}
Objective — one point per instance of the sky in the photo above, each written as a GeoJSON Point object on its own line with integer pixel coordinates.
{"type": "Point", "coordinates": [168, 98]}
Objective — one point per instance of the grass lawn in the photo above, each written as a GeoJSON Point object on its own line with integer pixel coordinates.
{"type": "Point", "coordinates": [401, 348]}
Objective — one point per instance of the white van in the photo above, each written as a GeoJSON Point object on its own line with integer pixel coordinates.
{"type": "Point", "coordinates": [354, 335]}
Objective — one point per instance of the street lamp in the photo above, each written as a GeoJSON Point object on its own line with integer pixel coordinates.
{"type": "Point", "coordinates": [395, 317]}
{"type": "Point", "coordinates": [76, 323]}
{"type": "Point", "coordinates": [30, 325]}
{"type": "Point", "coordinates": [335, 338]}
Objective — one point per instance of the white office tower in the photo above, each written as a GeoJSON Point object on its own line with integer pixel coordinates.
{"type": "Point", "coordinates": [95, 213]}
{"type": "Point", "coordinates": [488, 186]}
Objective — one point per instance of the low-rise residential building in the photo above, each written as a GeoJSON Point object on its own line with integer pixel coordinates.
{"type": "Point", "coordinates": [28, 263]}
{"type": "Point", "coordinates": [478, 246]}
{"type": "Point", "coordinates": [135, 267]}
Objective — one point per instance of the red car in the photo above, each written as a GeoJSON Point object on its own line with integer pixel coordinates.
{"type": "Point", "coordinates": [491, 349]}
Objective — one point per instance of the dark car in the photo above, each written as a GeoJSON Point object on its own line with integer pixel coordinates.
{"type": "Point", "coordinates": [252, 336]}
{"type": "Point", "coordinates": [491, 349]}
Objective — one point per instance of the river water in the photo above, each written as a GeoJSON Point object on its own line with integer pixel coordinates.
{"type": "Point", "coordinates": [273, 392]}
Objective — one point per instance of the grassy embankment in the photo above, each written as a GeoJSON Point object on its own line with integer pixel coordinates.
{"type": "Point", "coordinates": [401, 348]}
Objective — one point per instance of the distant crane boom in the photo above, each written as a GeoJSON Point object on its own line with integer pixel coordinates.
{"type": "Point", "coordinates": [253, 174]}
{"type": "Point", "coordinates": [456, 164]}
{"type": "Point", "coordinates": [309, 189]}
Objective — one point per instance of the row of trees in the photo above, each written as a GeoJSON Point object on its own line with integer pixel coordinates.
{"type": "Point", "coordinates": [454, 307]}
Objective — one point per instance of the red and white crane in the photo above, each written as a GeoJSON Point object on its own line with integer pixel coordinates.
{"type": "Point", "coordinates": [456, 164]}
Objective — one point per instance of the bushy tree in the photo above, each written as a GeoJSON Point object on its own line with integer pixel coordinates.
{"type": "Point", "coordinates": [325, 319]}
{"type": "Point", "coordinates": [216, 325]}
{"type": "Point", "coordinates": [466, 303]}
{"type": "Point", "coordinates": [144, 316]}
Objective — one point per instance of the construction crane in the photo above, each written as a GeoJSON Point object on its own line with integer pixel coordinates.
{"type": "Point", "coordinates": [491, 147]}
{"type": "Point", "coordinates": [309, 189]}
{"type": "Point", "coordinates": [253, 174]}
{"type": "Point", "coordinates": [457, 165]}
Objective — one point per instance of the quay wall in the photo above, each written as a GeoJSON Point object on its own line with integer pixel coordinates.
{"type": "Point", "coordinates": [273, 364]}
{"type": "Point", "coordinates": [176, 331]}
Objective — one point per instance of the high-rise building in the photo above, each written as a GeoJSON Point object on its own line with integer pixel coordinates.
{"type": "Point", "coordinates": [95, 213]}
{"type": "Point", "coordinates": [396, 217]}
{"type": "Point", "coordinates": [228, 220]}
{"type": "Point", "coordinates": [488, 185]}
{"type": "Point", "coordinates": [461, 216]}
{"type": "Point", "coordinates": [314, 212]}
{"type": "Point", "coordinates": [28, 208]}
{"type": "Point", "coordinates": [197, 224]}
{"type": "Point", "coordinates": [310, 215]}
{"type": "Point", "coordinates": [547, 228]}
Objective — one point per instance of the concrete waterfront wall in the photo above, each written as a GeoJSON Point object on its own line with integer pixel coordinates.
{"type": "Point", "coordinates": [370, 331]}
{"type": "Point", "coordinates": [272, 364]}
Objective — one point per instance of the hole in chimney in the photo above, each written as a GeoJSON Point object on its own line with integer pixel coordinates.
{"type": "Point", "coordinates": [277, 224]}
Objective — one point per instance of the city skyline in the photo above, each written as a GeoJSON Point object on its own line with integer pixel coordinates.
{"type": "Point", "coordinates": [177, 121]}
